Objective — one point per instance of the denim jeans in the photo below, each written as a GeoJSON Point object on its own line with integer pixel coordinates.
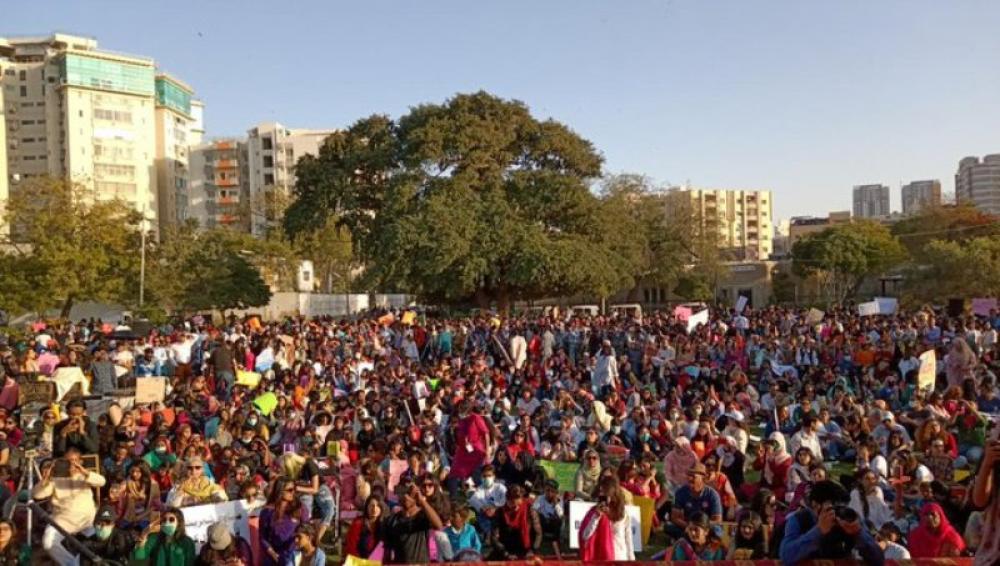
{"type": "Point", "coordinates": [324, 504]}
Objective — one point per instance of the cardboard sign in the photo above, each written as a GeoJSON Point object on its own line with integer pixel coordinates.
{"type": "Point", "coordinates": [983, 306]}
{"type": "Point", "coordinates": [647, 507]}
{"type": "Point", "coordinates": [150, 390]}
{"type": "Point", "coordinates": [868, 309]}
{"type": "Point", "coordinates": [927, 376]}
{"type": "Point", "coordinates": [408, 318]}
{"type": "Point", "coordinates": [564, 473]}
{"type": "Point", "coordinates": [386, 319]}
{"type": "Point", "coordinates": [249, 379]}
{"type": "Point", "coordinates": [198, 518]}
{"type": "Point", "coordinates": [36, 392]}
{"type": "Point", "coordinates": [578, 510]}
{"type": "Point", "coordinates": [815, 317]}
{"type": "Point", "coordinates": [694, 320]}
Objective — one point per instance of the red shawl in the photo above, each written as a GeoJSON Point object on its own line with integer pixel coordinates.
{"type": "Point", "coordinates": [599, 546]}
{"type": "Point", "coordinates": [925, 543]}
{"type": "Point", "coordinates": [519, 519]}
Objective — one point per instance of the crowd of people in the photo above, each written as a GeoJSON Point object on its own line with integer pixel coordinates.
{"type": "Point", "coordinates": [769, 433]}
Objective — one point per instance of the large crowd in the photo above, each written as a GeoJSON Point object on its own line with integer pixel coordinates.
{"type": "Point", "coordinates": [769, 433]}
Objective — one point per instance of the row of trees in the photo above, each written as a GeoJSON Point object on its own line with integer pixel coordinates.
{"type": "Point", "coordinates": [942, 252]}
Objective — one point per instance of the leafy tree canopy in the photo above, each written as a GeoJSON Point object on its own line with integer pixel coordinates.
{"type": "Point", "coordinates": [472, 199]}
{"type": "Point", "coordinates": [954, 223]}
{"type": "Point", "coordinates": [970, 268]}
{"type": "Point", "coordinates": [65, 247]}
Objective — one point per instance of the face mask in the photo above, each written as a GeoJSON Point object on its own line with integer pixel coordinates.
{"type": "Point", "coordinates": [103, 532]}
{"type": "Point", "coordinates": [161, 449]}
{"type": "Point", "coordinates": [252, 422]}
{"type": "Point", "coordinates": [428, 440]}
{"type": "Point", "coordinates": [616, 429]}
{"type": "Point", "coordinates": [487, 482]}
{"type": "Point", "coordinates": [645, 438]}
{"type": "Point", "coordinates": [168, 529]}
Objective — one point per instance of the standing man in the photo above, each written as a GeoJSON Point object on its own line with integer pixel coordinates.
{"type": "Point", "coordinates": [605, 374]}
{"type": "Point", "coordinates": [224, 364]}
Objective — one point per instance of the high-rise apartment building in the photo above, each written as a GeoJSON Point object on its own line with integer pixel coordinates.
{"type": "Point", "coordinates": [978, 182]}
{"type": "Point", "coordinates": [88, 115]}
{"type": "Point", "coordinates": [272, 151]}
{"type": "Point", "coordinates": [741, 220]}
{"type": "Point", "coordinates": [219, 189]}
{"type": "Point", "coordinates": [871, 201]}
{"type": "Point", "coordinates": [921, 194]}
{"type": "Point", "coordinates": [178, 126]}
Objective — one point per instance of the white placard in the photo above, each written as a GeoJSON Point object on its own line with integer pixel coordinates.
{"type": "Point", "coordinates": [578, 510]}
{"type": "Point", "coordinates": [198, 518]}
{"type": "Point", "coordinates": [927, 375]}
{"type": "Point", "coordinates": [698, 318]}
{"type": "Point", "coordinates": [741, 303]}
{"type": "Point", "coordinates": [887, 305]}
{"type": "Point", "coordinates": [868, 309]}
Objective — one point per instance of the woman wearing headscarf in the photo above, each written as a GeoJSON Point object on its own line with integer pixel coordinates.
{"type": "Point", "coordinates": [587, 475]}
{"type": "Point", "coordinates": [677, 463]}
{"type": "Point", "coordinates": [934, 537]}
{"type": "Point", "coordinates": [959, 363]}
{"type": "Point", "coordinates": [775, 463]}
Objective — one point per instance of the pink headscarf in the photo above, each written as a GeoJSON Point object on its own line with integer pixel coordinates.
{"type": "Point", "coordinates": [679, 461]}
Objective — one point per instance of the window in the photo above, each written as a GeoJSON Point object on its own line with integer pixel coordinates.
{"type": "Point", "coordinates": [110, 170]}
{"type": "Point", "coordinates": [23, 75]}
{"type": "Point", "coordinates": [266, 143]}
{"type": "Point", "coordinates": [27, 122]}
{"type": "Point", "coordinates": [9, 72]}
{"type": "Point", "coordinates": [113, 115]}
{"type": "Point", "coordinates": [24, 90]}
{"type": "Point", "coordinates": [268, 161]}
{"type": "Point", "coordinates": [268, 178]}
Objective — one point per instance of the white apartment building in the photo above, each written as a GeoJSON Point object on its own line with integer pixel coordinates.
{"type": "Point", "coordinates": [978, 182]}
{"type": "Point", "coordinates": [272, 151]}
{"type": "Point", "coordinates": [742, 220]}
{"type": "Point", "coordinates": [72, 110]}
{"type": "Point", "coordinates": [178, 126]}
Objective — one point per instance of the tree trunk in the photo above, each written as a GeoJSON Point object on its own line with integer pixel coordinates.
{"type": "Point", "coordinates": [66, 308]}
{"type": "Point", "coordinates": [503, 302]}
{"type": "Point", "coordinates": [482, 299]}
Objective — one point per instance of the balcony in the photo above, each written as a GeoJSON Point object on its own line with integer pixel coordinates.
{"type": "Point", "coordinates": [223, 201]}
{"type": "Point", "coordinates": [224, 145]}
{"type": "Point", "coordinates": [226, 164]}
{"type": "Point", "coordinates": [228, 182]}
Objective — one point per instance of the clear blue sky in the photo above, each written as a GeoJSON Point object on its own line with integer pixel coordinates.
{"type": "Point", "coordinates": [804, 98]}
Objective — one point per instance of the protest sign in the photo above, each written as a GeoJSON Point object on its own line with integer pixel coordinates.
{"type": "Point", "coordinates": [927, 376]}
{"type": "Point", "coordinates": [682, 313]}
{"type": "Point", "coordinates": [814, 317]}
{"type": "Point", "coordinates": [887, 305]}
{"type": "Point", "coordinates": [647, 507]}
{"type": "Point", "coordinates": [741, 303]}
{"type": "Point", "coordinates": [983, 306]}
{"type": "Point", "coordinates": [386, 319]}
{"type": "Point", "coordinates": [408, 318]}
{"type": "Point", "coordinates": [36, 392]}
{"type": "Point", "coordinates": [578, 510]}
{"type": "Point", "coordinates": [564, 473]}
{"type": "Point", "coordinates": [249, 379]}
{"type": "Point", "coordinates": [266, 403]}
{"type": "Point", "coordinates": [150, 390]}
{"type": "Point", "coordinates": [694, 320]}
{"type": "Point", "coordinates": [868, 309]}
{"type": "Point", "coordinates": [197, 519]}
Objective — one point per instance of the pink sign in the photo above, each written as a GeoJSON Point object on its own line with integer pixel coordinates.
{"type": "Point", "coordinates": [983, 306]}
{"type": "Point", "coordinates": [682, 313]}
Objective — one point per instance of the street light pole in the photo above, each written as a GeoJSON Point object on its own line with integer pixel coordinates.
{"type": "Point", "coordinates": [142, 258]}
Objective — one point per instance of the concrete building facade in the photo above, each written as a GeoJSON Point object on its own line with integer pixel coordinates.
{"type": "Point", "coordinates": [272, 151]}
{"type": "Point", "coordinates": [742, 220]}
{"type": "Point", "coordinates": [871, 201]}
{"type": "Point", "coordinates": [88, 115]}
{"type": "Point", "coordinates": [978, 182]}
{"type": "Point", "coordinates": [917, 195]}
{"type": "Point", "coordinates": [219, 189]}
{"type": "Point", "coordinates": [177, 128]}
{"type": "Point", "coordinates": [802, 226]}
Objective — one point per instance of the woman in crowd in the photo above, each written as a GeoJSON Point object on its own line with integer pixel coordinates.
{"type": "Point", "coordinates": [365, 531]}
{"type": "Point", "coordinates": [935, 537]}
{"type": "Point", "coordinates": [517, 531]}
{"type": "Point", "coordinates": [164, 543]}
{"type": "Point", "coordinates": [695, 544]}
{"type": "Point", "coordinates": [279, 519]}
{"type": "Point", "coordinates": [587, 475]}
{"type": "Point", "coordinates": [606, 530]}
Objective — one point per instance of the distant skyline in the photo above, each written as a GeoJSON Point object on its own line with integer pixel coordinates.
{"type": "Point", "coordinates": [805, 99]}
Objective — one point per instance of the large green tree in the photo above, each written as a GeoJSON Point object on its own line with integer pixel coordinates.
{"type": "Point", "coordinates": [63, 247]}
{"type": "Point", "coordinates": [470, 200]}
{"type": "Point", "coordinates": [192, 270]}
{"type": "Point", "coordinates": [949, 268]}
{"type": "Point", "coordinates": [841, 257]}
